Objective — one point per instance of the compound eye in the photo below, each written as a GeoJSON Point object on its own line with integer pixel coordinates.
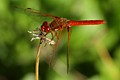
{"type": "Point", "coordinates": [45, 23]}
{"type": "Point", "coordinates": [45, 27]}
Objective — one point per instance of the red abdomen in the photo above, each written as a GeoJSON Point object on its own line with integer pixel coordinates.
{"type": "Point", "coordinates": [85, 22]}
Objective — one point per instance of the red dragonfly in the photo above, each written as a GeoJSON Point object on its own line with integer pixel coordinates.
{"type": "Point", "coordinates": [58, 24]}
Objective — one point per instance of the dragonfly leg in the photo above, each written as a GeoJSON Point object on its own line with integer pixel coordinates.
{"type": "Point", "coordinates": [52, 35]}
{"type": "Point", "coordinates": [68, 48]}
{"type": "Point", "coordinates": [55, 46]}
{"type": "Point", "coordinates": [46, 42]}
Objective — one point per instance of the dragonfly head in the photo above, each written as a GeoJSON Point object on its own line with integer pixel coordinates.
{"type": "Point", "coordinates": [45, 27]}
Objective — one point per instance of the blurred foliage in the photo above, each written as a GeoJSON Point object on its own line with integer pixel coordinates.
{"type": "Point", "coordinates": [94, 51]}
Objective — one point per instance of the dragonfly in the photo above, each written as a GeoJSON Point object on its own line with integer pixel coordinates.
{"type": "Point", "coordinates": [55, 28]}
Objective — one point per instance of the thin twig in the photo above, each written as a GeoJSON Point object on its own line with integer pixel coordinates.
{"type": "Point", "coordinates": [37, 63]}
{"type": "Point", "coordinates": [38, 34]}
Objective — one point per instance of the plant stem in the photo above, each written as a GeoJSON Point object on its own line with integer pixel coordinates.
{"type": "Point", "coordinates": [37, 63]}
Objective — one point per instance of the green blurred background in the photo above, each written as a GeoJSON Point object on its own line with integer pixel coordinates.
{"type": "Point", "coordinates": [94, 50]}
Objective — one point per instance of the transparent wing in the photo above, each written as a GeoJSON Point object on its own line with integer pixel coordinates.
{"type": "Point", "coordinates": [57, 35]}
{"type": "Point", "coordinates": [39, 13]}
{"type": "Point", "coordinates": [36, 15]}
{"type": "Point", "coordinates": [35, 12]}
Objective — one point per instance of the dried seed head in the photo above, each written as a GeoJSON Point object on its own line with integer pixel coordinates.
{"type": "Point", "coordinates": [38, 34]}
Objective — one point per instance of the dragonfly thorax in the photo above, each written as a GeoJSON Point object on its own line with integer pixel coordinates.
{"type": "Point", "coordinates": [45, 27]}
{"type": "Point", "coordinates": [58, 24]}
